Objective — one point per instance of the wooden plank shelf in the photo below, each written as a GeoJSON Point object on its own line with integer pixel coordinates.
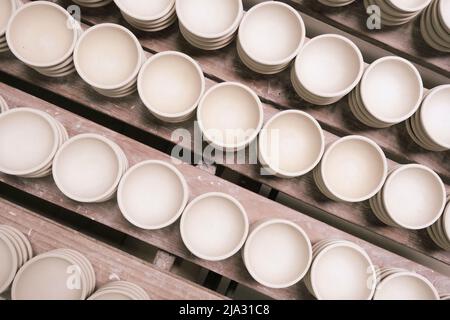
{"type": "Point", "coordinates": [109, 263]}
{"type": "Point", "coordinates": [199, 182]}
{"type": "Point", "coordinates": [405, 40]}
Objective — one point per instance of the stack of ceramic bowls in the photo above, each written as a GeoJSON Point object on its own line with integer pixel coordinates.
{"type": "Point", "coordinates": [171, 84]}
{"type": "Point", "coordinates": [214, 226]}
{"type": "Point", "coordinates": [61, 274]}
{"type": "Point", "coordinates": [29, 140]}
{"type": "Point", "coordinates": [120, 290]}
{"type": "Point", "coordinates": [270, 37]}
{"type": "Point", "coordinates": [15, 251]}
{"type": "Point", "coordinates": [230, 116]}
{"type": "Point", "coordinates": [291, 144]}
{"type": "Point", "coordinates": [88, 168]}
{"type": "Point", "coordinates": [7, 8]}
{"type": "Point", "coordinates": [152, 194]}
{"type": "Point", "coordinates": [108, 57]}
{"type": "Point", "coordinates": [326, 69]}
{"type": "Point", "coordinates": [336, 3]}
{"type": "Point", "coordinates": [413, 197]}
{"type": "Point", "coordinates": [43, 36]}
{"type": "Point", "coordinates": [92, 3]}
{"type": "Point", "coordinates": [209, 25]}
{"type": "Point", "coordinates": [341, 270]}
{"type": "Point", "coordinates": [429, 127]}
{"type": "Point", "coordinates": [397, 12]}
{"type": "Point", "coordinates": [277, 253]}
{"type": "Point", "coordinates": [435, 25]}
{"type": "Point", "coordinates": [400, 284]}
{"type": "Point", "coordinates": [3, 105]}
{"type": "Point", "coordinates": [147, 15]}
{"type": "Point", "coordinates": [440, 231]}
{"type": "Point", "coordinates": [353, 169]}
{"type": "Point", "coordinates": [390, 92]}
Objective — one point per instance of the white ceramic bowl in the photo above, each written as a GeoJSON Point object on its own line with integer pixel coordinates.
{"type": "Point", "coordinates": [108, 57]}
{"type": "Point", "coordinates": [88, 168]}
{"type": "Point", "coordinates": [171, 84]}
{"type": "Point", "coordinates": [342, 270]}
{"type": "Point", "coordinates": [353, 169]}
{"type": "Point", "coordinates": [41, 34]}
{"type": "Point", "coordinates": [214, 226]}
{"type": "Point", "coordinates": [146, 11]}
{"type": "Point", "coordinates": [391, 90]}
{"type": "Point", "coordinates": [328, 67]}
{"type": "Point", "coordinates": [29, 140]}
{"type": "Point", "coordinates": [230, 116]}
{"type": "Point", "coordinates": [414, 196]}
{"type": "Point", "coordinates": [152, 194]}
{"type": "Point", "coordinates": [409, 5]}
{"type": "Point", "coordinates": [10, 263]}
{"type": "Point", "coordinates": [210, 20]}
{"type": "Point", "coordinates": [291, 143]}
{"type": "Point", "coordinates": [271, 34]}
{"type": "Point", "coordinates": [7, 8]}
{"type": "Point", "coordinates": [277, 253]}
{"type": "Point", "coordinates": [405, 285]}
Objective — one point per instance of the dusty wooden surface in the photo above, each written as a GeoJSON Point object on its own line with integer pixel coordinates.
{"type": "Point", "coordinates": [109, 263]}
{"type": "Point", "coordinates": [199, 182]}
{"type": "Point", "coordinates": [404, 40]}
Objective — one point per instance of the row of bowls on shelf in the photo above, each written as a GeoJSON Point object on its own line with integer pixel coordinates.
{"type": "Point", "coordinates": [171, 84]}
{"type": "Point", "coordinates": [61, 274]}
{"type": "Point", "coordinates": [434, 20]}
{"type": "Point", "coordinates": [154, 194]}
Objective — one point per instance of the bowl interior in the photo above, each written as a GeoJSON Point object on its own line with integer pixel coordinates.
{"type": "Point", "coordinates": [208, 18]}
{"type": "Point", "coordinates": [354, 169]}
{"type": "Point", "coordinates": [144, 8]}
{"type": "Point", "coordinates": [328, 65]}
{"type": "Point", "coordinates": [86, 168]}
{"type": "Point", "coordinates": [107, 56]}
{"type": "Point", "coordinates": [27, 141]}
{"type": "Point", "coordinates": [342, 273]}
{"type": "Point", "coordinates": [292, 143]}
{"type": "Point", "coordinates": [444, 12]}
{"type": "Point", "coordinates": [45, 279]}
{"type": "Point", "coordinates": [435, 115]}
{"type": "Point", "coordinates": [277, 254]}
{"type": "Point", "coordinates": [214, 227]}
{"type": "Point", "coordinates": [230, 115]}
{"type": "Point", "coordinates": [271, 33]}
{"type": "Point", "coordinates": [40, 34]}
{"type": "Point", "coordinates": [404, 287]}
{"type": "Point", "coordinates": [391, 89]}
{"type": "Point", "coordinates": [414, 197]}
{"type": "Point", "coordinates": [6, 10]}
{"type": "Point", "coordinates": [152, 195]}
{"type": "Point", "coordinates": [171, 84]}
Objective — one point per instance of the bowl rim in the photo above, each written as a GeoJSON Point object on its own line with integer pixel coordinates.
{"type": "Point", "coordinates": [410, 67]}
{"type": "Point", "coordinates": [291, 56]}
{"type": "Point", "coordinates": [167, 166]}
{"type": "Point", "coordinates": [227, 197]}
{"type": "Point", "coordinates": [414, 166]}
{"type": "Point", "coordinates": [125, 82]}
{"type": "Point", "coordinates": [257, 129]}
{"type": "Point", "coordinates": [348, 42]}
{"type": "Point", "coordinates": [356, 138]}
{"type": "Point", "coordinates": [227, 31]}
{"type": "Point", "coordinates": [140, 83]}
{"type": "Point", "coordinates": [425, 105]}
{"type": "Point", "coordinates": [406, 273]}
{"type": "Point", "coordinates": [75, 36]}
{"type": "Point", "coordinates": [90, 136]}
{"type": "Point", "coordinates": [263, 224]}
{"type": "Point", "coordinates": [120, 5]}
{"type": "Point", "coordinates": [263, 147]}
{"type": "Point", "coordinates": [56, 138]}
{"type": "Point", "coordinates": [14, 7]}
{"type": "Point", "coordinates": [342, 243]}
